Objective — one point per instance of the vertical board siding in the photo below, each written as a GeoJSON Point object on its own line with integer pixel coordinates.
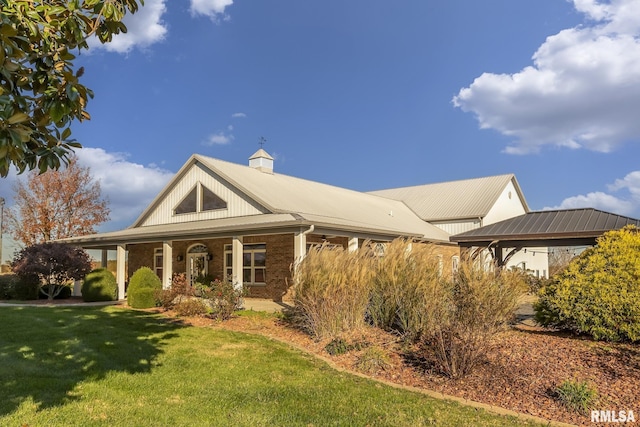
{"type": "Point", "coordinates": [457, 227]}
{"type": "Point", "coordinates": [237, 204]}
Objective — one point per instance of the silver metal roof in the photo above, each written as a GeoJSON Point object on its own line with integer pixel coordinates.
{"type": "Point", "coordinates": [468, 198]}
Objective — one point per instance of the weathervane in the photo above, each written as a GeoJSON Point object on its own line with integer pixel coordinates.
{"type": "Point", "coordinates": [262, 140]}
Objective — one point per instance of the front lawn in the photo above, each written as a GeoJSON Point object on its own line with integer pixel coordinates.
{"type": "Point", "coordinates": [113, 366]}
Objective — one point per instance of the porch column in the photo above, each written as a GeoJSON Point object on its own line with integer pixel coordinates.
{"type": "Point", "coordinates": [167, 264]}
{"type": "Point", "coordinates": [299, 247]}
{"type": "Point", "coordinates": [353, 244]}
{"type": "Point", "coordinates": [105, 259]}
{"type": "Point", "coordinates": [236, 262]}
{"type": "Point", "coordinates": [120, 270]}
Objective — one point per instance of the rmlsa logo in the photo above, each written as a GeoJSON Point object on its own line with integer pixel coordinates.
{"type": "Point", "coordinates": [612, 417]}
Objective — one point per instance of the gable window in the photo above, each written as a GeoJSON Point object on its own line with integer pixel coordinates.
{"type": "Point", "coordinates": [211, 201]}
{"type": "Point", "coordinates": [200, 199]}
{"type": "Point", "coordinates": [254, 264]}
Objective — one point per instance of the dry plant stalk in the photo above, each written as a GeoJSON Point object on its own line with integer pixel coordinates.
{"type": "Point", "coordinates": [331, 290]}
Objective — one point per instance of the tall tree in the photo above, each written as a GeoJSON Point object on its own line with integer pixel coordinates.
{"type": "Point", "coordinates": [56, 204]}
{"type": "Point", "coordinates": [40, 91]}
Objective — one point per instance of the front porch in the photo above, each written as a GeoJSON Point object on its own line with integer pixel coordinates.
{"type": "Point", "coordinates": [261, 262]}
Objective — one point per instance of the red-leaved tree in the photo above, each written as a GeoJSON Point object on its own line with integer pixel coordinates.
{"type": "Point", "coordinates": [55, 205]}
{"type": "Point", "coordinates": [52, 264]}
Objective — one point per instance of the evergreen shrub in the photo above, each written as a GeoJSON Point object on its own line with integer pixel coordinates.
{"type": "Point", "coordinates": [143, 288]}
{"type": "Point", "coordinates": [599, 292]}
{"type": "Point", "coordinates": [100, 285]}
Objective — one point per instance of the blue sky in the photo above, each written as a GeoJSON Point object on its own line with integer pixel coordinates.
{"type": "Point", "coordinates": [370, 94]}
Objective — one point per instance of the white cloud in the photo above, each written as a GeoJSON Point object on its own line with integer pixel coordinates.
{"type": "Point", "coordinates": [219, 139]}
{"type": "Point", "coordinates": [622, 204]}
{"type": "Point", "coordinates": [129, 186]}
{"type": "Point", "coordinates": [214, 9]}
{"type": "Point", "coordinates": [582, 91]}
{"type": "Point", "coordinates": [144, 28]}
{"type": "Point", "coordinates": [238, 115]}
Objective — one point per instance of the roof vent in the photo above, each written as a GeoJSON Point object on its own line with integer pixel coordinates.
{"type": "Point", "coordinates": [262, 161]}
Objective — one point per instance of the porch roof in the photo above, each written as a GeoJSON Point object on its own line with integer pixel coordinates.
{"type": "Point", "coordinates": [247, 225]}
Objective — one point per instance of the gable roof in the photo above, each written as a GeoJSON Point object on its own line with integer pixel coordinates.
{"type": "Point", "coordinates": [310, 201]}
{"type": "Point", "coordinates": [570, 227]}
{"type": "Point", "coordinates": [467, 198]}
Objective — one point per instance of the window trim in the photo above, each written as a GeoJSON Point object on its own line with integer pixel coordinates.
{"type": "Point", "coordinates": [199, 189]}
{"type": "Point", "coordinates": [158, 252]}
{"type": "Point", "coordinates": [250, 248]}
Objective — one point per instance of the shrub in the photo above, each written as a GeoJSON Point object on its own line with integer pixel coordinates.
{"type": "Point", "coordinates": [27, 287]}
{"type": "Point", "coordinates": [331, 291]}
{"type": "Point", "coordinates": [578, 396]}
{"type": "Point", "coordinates": [143, 287]}
{"type": "Point", "coordinates": [599, 292]}
{"type": "Point", "coordinates": [221, 297]}
{"type": "Point", "coordinates": [337, 346]}
{"type": "Point", "coordinates": [53, 264]}
{"type": "Point", "coordinates": [372, 360]}
{"type": "Point", "coordinates": [191, 307]}
{"type": "Point", "coordinates": [100, 285]}
{"type": "Point", "coordinates": [475, 305]}
{"type": "Point", "coordinates": [405, 288]}
{"type": "Point", "coordinates": [8, 285]}
{"type": "Point", "coordinates": [179, 290]}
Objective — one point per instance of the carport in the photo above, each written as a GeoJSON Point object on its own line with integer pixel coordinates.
{"type": "Point", "coordinates": [553, 228]}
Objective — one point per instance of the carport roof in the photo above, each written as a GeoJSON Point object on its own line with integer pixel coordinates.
{"type": "Point", "coordinates": [570, 227]}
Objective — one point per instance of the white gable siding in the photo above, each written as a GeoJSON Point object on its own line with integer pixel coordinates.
{"type": "Point", "coordinates": [237, 205]}
{"type": "Point", "coordinates": [506, 206]}
{"type": "Point", "coordinates": [457, 227]}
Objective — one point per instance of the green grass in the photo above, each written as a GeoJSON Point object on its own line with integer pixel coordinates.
{"type": "Point", "coordinates": [86, 366]}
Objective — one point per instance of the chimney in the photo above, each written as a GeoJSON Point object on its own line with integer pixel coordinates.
{"type": "Point", "coordinates": [262, 161]}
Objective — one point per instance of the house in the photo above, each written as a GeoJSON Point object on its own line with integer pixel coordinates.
{"type": "Point", "coordinates": [251, 224]}
{"type": "Point", "coordinates": [464, 205]}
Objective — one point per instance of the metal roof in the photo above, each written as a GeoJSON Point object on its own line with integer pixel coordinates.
{"type": "Point", "coordinates": [287, 202]}
{"type": "Point", "coordinates": [548, 228]}
{"type": "Point", "coordinates": [468, 198]}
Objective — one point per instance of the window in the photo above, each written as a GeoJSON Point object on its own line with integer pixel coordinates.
{"type": "Point", "coordinates": [254, 263]}
{"type": "Point", "coordinates": [157, 262]}
{"type": "Point", "coordinates": [200, 199]}
{"type": "Point", "coordinates": [189, 203]}
{"type": "Point", "coordinates": [210, 201]}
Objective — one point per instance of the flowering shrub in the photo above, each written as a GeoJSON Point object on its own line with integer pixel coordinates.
{"type": "Point", "coordinates": [221, 297]}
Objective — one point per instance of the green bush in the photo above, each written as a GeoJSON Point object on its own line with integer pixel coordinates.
{"type": "Point", "coordinates": [578, 396]}
{"type": "Point", "coordinates": [100, 285]}
{"type": "Point", "coordinates": [599, 292]}
{"type": "Point", "coordinates": [27, 287]}
{"type": "Point", "coordinates": [143, 287]}
{"type": "Point", "coordinates": [8, 286]}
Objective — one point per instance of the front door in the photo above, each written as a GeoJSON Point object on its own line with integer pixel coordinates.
{"type": "Point", "coordinates": [196, 266]}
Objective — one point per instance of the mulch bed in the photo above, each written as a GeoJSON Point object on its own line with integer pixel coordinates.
{"type": "Point", "coordinates": [521, 372]}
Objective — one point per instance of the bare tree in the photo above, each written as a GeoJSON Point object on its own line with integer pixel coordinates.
{"type": "Point", "coordinates": [56, 204]}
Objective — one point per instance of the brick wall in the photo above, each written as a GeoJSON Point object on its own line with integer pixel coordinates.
{"type": "Point", "coordinates": [279, 258]}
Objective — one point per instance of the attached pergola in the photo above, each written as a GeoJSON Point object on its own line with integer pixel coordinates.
{"type": "Point", "coordinates": [556, 228]}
